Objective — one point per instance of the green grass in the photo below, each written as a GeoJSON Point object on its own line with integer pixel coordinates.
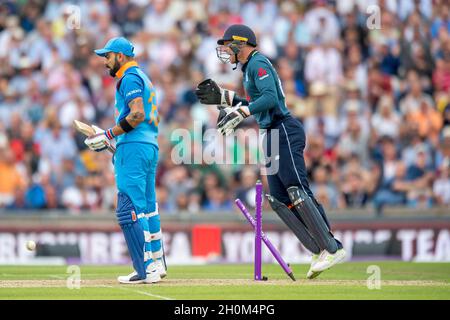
{"type": "Point", "coordinates": [399, 280]}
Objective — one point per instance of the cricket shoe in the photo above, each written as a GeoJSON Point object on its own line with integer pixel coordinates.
{"type": "Point", "coordinates": [161, 268]}
{"type": "Point", "coordinates": [327, 260]}
{"type": "Point", "coordinates": [313, 274]}
{"type": "Point", "coordinates": [132, 278]}
{"type": "Point", "coordinates": [152, 274]}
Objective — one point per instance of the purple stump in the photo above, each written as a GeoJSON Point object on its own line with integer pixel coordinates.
{"type": "Point", "coordinates": [258, 231]}
{"type": "Point", "coordinates": [266, 240]}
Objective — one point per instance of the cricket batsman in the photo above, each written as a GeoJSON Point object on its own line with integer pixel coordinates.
{"type": "Point", "coordinates": [290, 196]}
{"type": "Point", "coordinates": [135, 161]}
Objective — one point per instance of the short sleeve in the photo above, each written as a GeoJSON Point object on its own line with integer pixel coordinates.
{"type": "Point", "coordinates": [132, 87]}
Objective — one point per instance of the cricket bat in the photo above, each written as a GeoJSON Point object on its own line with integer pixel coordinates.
{"type": "Point", "coordinates": [87, 130]}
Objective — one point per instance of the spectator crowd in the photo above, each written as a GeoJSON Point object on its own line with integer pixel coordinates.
{"type": "Point", "coordinates": [369, 79]}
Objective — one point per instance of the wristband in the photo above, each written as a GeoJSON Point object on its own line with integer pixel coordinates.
{"type": "Point", "coordinates": [110, 134]}
{"type": "Point", "coordinates": [125, 125]}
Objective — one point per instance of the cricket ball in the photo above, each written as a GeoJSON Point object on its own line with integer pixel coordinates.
{"type": "Point", "coordinates": [31, 245]}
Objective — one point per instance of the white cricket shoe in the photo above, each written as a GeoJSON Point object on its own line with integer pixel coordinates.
{"type": "Point", "coordinates": [152, 274]}
{"type": "Point", "coordinates": [313, 274]}
{"type": "Point", "coordinates": [160, 267]}
{"type": "Point", "coordinates": [132, 278]}
{"type": "Point", "coordinates": [327, 260]}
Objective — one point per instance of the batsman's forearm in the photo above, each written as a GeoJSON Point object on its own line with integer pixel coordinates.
{"type": "Point", "coordinates": [133, 120]}
{"type": "Point", "coordinates": [136, 115]}
{"type": "Point", "coordinates": [117, 130]}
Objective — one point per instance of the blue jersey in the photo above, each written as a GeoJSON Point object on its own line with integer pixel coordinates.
{"type": "Point", "coordinates": [134, 83]}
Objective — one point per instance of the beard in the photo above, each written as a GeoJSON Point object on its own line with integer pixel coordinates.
{"type": "Point", "coordinates": [115, 68]}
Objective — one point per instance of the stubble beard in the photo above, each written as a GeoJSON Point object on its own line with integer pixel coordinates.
{"type": "Point", "coordinates": [115, 68]}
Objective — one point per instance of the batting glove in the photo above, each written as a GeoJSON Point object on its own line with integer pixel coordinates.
{"type": "Point", "coordinates": [208, 92]}
{"type": "Point", "coordinates": [99, 141]}
{"type": "Point", "coordinates": [233, 117]}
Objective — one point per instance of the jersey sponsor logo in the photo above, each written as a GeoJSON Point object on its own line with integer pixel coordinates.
{"type": "Point", "coordinates": [133, 92]}
{"type": "Point", "coordinates": [262, 73]}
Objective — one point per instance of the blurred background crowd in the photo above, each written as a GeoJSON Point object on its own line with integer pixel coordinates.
{"type": "Point", "coordinates": [372, 90]}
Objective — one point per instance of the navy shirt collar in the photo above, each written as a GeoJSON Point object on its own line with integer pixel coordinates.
{"type": "Point", "coordinates": [244, 66]}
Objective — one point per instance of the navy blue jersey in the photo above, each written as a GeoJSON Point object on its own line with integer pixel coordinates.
{"type": "Point", "coordinates": [263, 89]}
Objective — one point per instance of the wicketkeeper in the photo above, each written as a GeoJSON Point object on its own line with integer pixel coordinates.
{"type": "Point", "coordinates": [290, 195]}
{"type": "Point", "coordinates": [135, 161]}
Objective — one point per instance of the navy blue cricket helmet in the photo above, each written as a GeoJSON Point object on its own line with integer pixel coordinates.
{"type": "Point", "coordinates": [239, 32]}
{"type": "Point", "coordinates": [238, 35]}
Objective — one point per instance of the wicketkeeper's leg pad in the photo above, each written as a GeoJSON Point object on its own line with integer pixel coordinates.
{"type": "Point", "coordinates": [324, 216]}
{"type": "Point", "coordinates": [313, 219]}
{"type": "Point", "coordinates": [133, 232]}
{"type": "Point", "coordinates": [295, 224]}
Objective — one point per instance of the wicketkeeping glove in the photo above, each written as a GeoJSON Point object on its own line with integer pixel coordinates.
{"type": "Point", "coordinates": [209, 92]}
{"type": "Point", "coordinates": [233, 117]}
{"type": "Point", "coordinates": [223, 111]}
{"type": "Point", "coordinates": [99, 141]}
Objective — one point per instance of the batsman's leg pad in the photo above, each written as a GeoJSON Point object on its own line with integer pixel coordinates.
{"type": "Point", "coordinates": [133, 232]}
{"type": "Point", "coordinates": [295, 224]}
{"type": "Point", "coordinates": [155, 231]}
{"type": "Point", "coordinates": [143, 222]}
{"type": "Point", "coordinates": [312, 218]}
{"type": "Point", "coordinates": [156, 237]}
{"type": "Point", "coordinates": [163, 255]}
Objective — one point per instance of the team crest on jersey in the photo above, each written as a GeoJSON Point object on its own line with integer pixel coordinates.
{"type": "Point", "coordinates": [262, 73]}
